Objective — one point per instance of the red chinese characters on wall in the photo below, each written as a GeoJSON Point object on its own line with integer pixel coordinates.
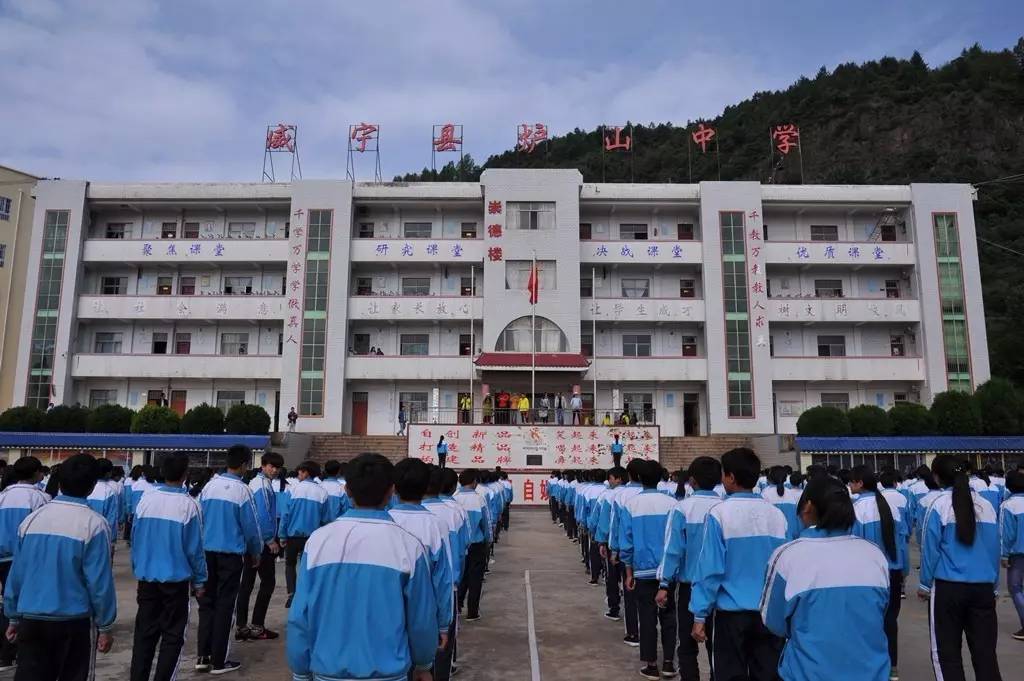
{"type": "Point", "coordinates": [494, 207]}
{"type": "Point", "coordinates": [494, 253]}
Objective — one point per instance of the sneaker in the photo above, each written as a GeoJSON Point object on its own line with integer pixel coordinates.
{"type": "Point", "coordinates": [453, 671]}
{"type": "Point", "coordinates": [262, 634]}
{"type": "Point", "coordinates": [472, 618]}
{"type": "Point", "coordinates": [7, 665]}
{"type": "Point", "coordinates": [650, 672]}
{"type": "Point", "coordinates": [594, 582]}
{"type": "Point", "coordinates": [229, 666]}
{"type": "Point", "coordinates": [288, 603]}
{"type": "Point", "coordinates": [613, 615]}
{"type": "Point", "coordinates": [894, 675]}
{"type": "Point", "coordinates": [242, 633]}
{"type": "Point", "coordinates": [668, 670]}
{"type": "Point", "coordinates": [634, 642]}
{"type": "Point", "coordinates": [203, 663]}
{"type": "Point", "coordinates": [1019, 635]}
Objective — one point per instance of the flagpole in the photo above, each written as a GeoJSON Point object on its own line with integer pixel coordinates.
{"type": "Point", "coordinates": [472, 340]}
{"type": "Point", "coordinates": [593, 335]}
{"type": "Point", "coordinates": [533, 330]}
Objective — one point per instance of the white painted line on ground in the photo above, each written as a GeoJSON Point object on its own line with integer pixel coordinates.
{"type": "Point", "coordinates": [534, 657]}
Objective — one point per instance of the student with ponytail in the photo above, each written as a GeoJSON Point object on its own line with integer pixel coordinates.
{"type": "Point", "coordinates": [959, 571]}
{"type": "Point", "coordinates": [825, 572]}
{"type": "Point", "coordinates": [783, 498]}
{"type": "Point", "coordinates": [883, 526]}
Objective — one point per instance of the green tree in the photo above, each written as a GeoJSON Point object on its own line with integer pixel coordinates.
{"type": "Point", "coordinates": [247, 419]}
{"type": "Point", "coordinates": [867, 419]}
{"type": "Point", "coordinates": [203, 419]}
{"type": "Point", "coordinates": [22, 420]}
{"type": "Point", "coordinates": [956, 413]}
{"type": "Point", "coordinates": [911, 418]}
{"type": "Point", "coordinates": [823, 422]}
{"type": "Point", "coordinates": [65, 419]}
{"type": "Point", "coordinates": [1000, 407]}
{"type": "Point", "coordinates": [156, 419]}
{"type": "Point", "coordinates": [110, 418]}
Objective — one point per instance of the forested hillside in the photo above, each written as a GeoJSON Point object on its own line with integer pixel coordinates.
{"type": "Point", "coordinates": [886, 121]}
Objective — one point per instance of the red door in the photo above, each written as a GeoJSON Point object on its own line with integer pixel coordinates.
{"type": "Point", "coordinates": [360, 405]}
{"type": "Point", "coordinates": [178, 401]}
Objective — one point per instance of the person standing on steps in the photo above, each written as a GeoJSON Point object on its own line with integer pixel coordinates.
{"type": "Point", "coordinates": [293, 418]}
{"type": "Point", "coordinates": [442, 452]}
{"type": "Point", "coordinates": [576, 405]}
{"type": "Point", "coordinates": [403, 419]}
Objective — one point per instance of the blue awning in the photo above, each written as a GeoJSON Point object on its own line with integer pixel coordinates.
{"type": "Point", "coordinates": [130, 441]}
{"type": "Point", "coordinates": [913, 444]}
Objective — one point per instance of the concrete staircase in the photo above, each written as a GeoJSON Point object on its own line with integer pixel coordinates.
{"type": "Point", "coordinates": [327, 446]}
{"type": "Point", "coordinates": [678, 452]}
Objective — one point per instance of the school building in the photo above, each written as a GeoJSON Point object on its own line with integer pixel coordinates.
{"type": "Point", "coordinates": [710, 308]}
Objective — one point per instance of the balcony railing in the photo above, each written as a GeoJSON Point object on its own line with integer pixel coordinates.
{"type": "Point", "coordinates": [531, 417]}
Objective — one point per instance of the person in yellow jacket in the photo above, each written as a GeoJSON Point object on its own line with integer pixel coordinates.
{"type": "Point", "coordinates": [524, 409]}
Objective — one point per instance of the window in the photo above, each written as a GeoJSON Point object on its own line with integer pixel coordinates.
{"type": "Point", "coordinates": [468, 230]}
{"type": "Point", "coordinates": [899, 397]}
{"type": "Point", "coordinates": [234, 344]}
{"type": "Point", "coordinates": [536, 215]}
{"type": "Point", "coordinates": [896, 347]}
{"type": "Point", "coordinates": [159, 343]}
{"type": "Point", "coordinates": [888, 232]}
{"type": "Point", "coordinates": [44, 326]}
{"type": "Point", "coordinates": [585, 231]}
{"type": "Point", "coordinates": [187, 286]}
{"type": "Point", "coordinates": [361, 343]}
{"type": "Point", "coordinates": [415, 405]}
{"type": "Point", "coordinates": [517, 274]}
{"type": "Point", "coordinates": [97, 398]}
{"type": "Point", "coordinates": [684, 231]}
{"type": "Point", "coordinates": [636, 288]}
{"type": "Point", "coordinates": [280, 344]}
{"type": "Point", "coordinates": [840, 401]}
{"type": "Point", "coordinates": [466, 286]}
{"type": "Point", "coordinates": [365, 230]}
{"type": "Point", "coordinates": [687, 288]}
{"type": "Point", "coordinates": [951, 291]}
{"type": "Point", "coordinates": [516, 336]}
{"type": "Point", "coordinates": [241, 230]}
{"type": "Point", "coordinates": [169, 230]}
{"type": "Point", "coordinates": [317, 276]}
{"type": "Point", "coordinates": [892, 288]}
{"type": "Point", "coordinates": [636, 345]}
{"type": "Point", "coordinates": [314, 345]}
{"type": "Point", "coordinates": [113, 286]}
{"type": "Point", "coordinates": [414, 344]}
{"type": "Point", "coordinates": [831, 346]}
{"type": "Point", "coordinates": [190, 230]}
{"type": "Point", "coordinates": [311, 396]}
{"type": "Point", "coordinates": [234, 286]}
{"type": "Point", "coordinates": [640, 405]}
{"type": "Point", "coordinates": [586, 287]}
{"type": "Point", "coordinates": [417, 230]}
{"type": "Point", "coordinates": [415, 286]}
{"type": "Point", "coordinates": [108, 342]}
{"type": "Point", "coordinates": [164, 286]}
{"type": "Point", "coordinates": [828, 288]}
{"type": "Point", "coordinates": [465, 344]}
{"type": "Point", "coordinates": [689, 346]}
{"type": "Point", "coordinates": [734, 278]}
{"type": "Point", "coordinates": [318, 236]}
{"type": "Point", "coordinates": [5, 208]}
{"type": "Point", "coordinates": [183, 343]}
{"type": "Point", "coordinates": [824, 233]}
{"type": "Point", "coordinates": [116, 230]}
{"type": "Point", "coordinates": [156, 397]}
{"type": "Point", "coordinates": [633, 232]}
{"type": "Point", "coordinates": [587, 344]}
{"type": "Point", "coordinates": [3, 254]}
{"type": "Point", "coordinates": [364, 286]}
{"type": "Point", "coordinates": [229, 398]}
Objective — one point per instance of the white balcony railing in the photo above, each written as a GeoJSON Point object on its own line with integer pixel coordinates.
{"type": "Point", "coordinates": [182, 307]}
{"type": "Point", "coordinates": [898, 310]}
{"type": "Point", "coordinates": [89, 365]}
{"type": "Point", "coordinates": [884, 368]}
{"type": "Point", "coordinates": [417, 250]}
{"type": "Point", "coordinates": [408, 367]}
{"type": "Point", "coordinates": [640, 252]}
{"type": "Point", "coordinates": [673, 368]}
{"type": "Point", "coordinates": [430, 308]}
{"type": "Point", "coordinates": [642, 309]}
{"type": "Point", "coordinates": [181, 251]}
{"type": "Point", "coordinates": [839, 252]}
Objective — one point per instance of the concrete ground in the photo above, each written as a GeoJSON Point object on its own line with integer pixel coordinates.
{"type": "Point", "coordinates": [573, 640]}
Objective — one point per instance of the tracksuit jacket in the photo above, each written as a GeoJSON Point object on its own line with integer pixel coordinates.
{"type": "Point", "coordinates": [739, 537]}
{"type": "Point", "coordinates": [16, 503]}
{"type": "Point", "coordinates": [989, 491]}
{"type": "Point", "coordinates": [601, 514]}
{"type": "Point", "coordinates": [230, 524]}
{"type": "Point", "coordinates": [263, 496]}
{"type": "Point", "coordinates": [834, 578]}
{"type": "Point", "coordinates": [868, 525]}
{"type": "Point", "coordinates": [61, 568]}
{"type": "Point", "coordinates": [167, 538]}
{"type": "Point", "coordinates": [478, 513]}
{"type": "Point", "coordinates": [337, 499]}
{"type": "Point", "coordinates": [364, 607]}
{"type": "Point", "coordinates": [139, 487]}
{"type": "Point", "coordinates": [306, 510]}
{"type": "Point", "coordinates": [454, 523]}
{"type": "Point", "coordinates": [616, 531]}
{"type": "Point", "coordinates": [684, 536]}
{"type": "Point", "coordinates": [105, 500]}
{"type": "Point", "coordinates": [423, 525]}
{"type": "Point", "coordinates": [787, 503]}
{"type": "Point", "coordinates": [944, 557]}
{"type": "Point", "coordinates": [1011, 521]}
{"type": "Point", "coordinates": [644, 520]}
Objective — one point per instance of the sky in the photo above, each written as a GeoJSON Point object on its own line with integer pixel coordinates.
{"type": "Point", "coordinates": [182, 90]}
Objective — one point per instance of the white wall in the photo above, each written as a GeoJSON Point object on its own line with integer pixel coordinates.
{"type": "Point", "coordinates": [865, 340]}
{"type": "Point", "coordinates": [661, 222]}
{"type": "Point", "coordinates": [148, 222]}
{"type": "Point", "coordinates": [863, 283]}
{"type": "Point", "coordinates": [388, 221]}
{"type": "Point", "coordinates": [792, 398]}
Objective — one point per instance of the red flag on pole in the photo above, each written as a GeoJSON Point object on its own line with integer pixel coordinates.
{"type": "Point", "coordinates": [533, 285]}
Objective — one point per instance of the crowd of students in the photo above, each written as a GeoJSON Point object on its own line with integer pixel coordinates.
{"type": "Point", "coordinates": [786, 576]}
{"type": "Point", "coordinates": [380, 560]}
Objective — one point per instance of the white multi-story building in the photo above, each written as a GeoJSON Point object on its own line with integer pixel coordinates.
{"type": "Point", "coordinates": [719, 307]}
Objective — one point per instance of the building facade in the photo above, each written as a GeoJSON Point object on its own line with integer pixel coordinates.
{"type": "Point", "coordinates": [17, 206]}
{"type": "Point", "coordinates": [719, 307]}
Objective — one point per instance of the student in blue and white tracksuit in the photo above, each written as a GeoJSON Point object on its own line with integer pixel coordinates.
{"type": "Point", "coordinates": [1011, 522]}
{"type": "Point", "coordinates": [365, 606]}
{"type": "Point", "coordinates": [168, 561]}
{"type": "Point", "coordinates": [741, 533]}
{"type": "Point", "coordinates": [959, 573]}
{"type": "Point", "coordinates": [986, 487]}
{"type": "Point", "coordinates": [104, 498]}
{"type": "Point", "coordinates": [684, 537]}
{"type": "Point", "coordinates": [553, 481]}
{"type": "Point", "coordinates": [17, 500]}
{"type": "Point", "coordinates": [506, 513]}
{"type": "Point", "coordinates": [264, 496]}
{"type": "Point", "coordinates": [452, 517]}
{"type": "Point", "coordinates": [231, 535]}
{"type": "Point", "coordinates": [826, 594]}
{"type": "Point", "coordinates": [479, 541]}
{"type": "Point", "coordinates": [601, 521]}
{"type": "Point", "coordinates": [615, 539]}
{"type": "Point", "coordinates": [332, 483]}
{"type": "Point", "coordinates": [783, 498]}
{"type": "Point", "coordinates": [60, 591]}
{"type": "Point", "coordinates": [644, 519]}
{"type": "Point", "coordinates": [306, 510]}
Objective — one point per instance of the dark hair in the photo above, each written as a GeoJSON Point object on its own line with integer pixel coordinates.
{"type": "Point", "coordinates": [469, 476]}
{"type": "Point", "coordinates": [633, 469]}
{"type": "Point", "coordinates": [866, 476]}
{"type": "Point", "coordinates": [25, 468]}
{"type": "Point", "coordinates": [777, 476]}
{"type": "Point", "coordinates": [795, 479]}
{"type": "Point", "coordinates": [650, 474]}
{"type": "Point", "coordinates": [332, 468]}
{"type": "Point", "coordinates": [600, 475]}
{"type": "Point", "coordinates": [104, 467]}
{"type": "Point", "coordinates": [136, 472]}
{"type": "Point", "coordinates": [742, 463]}
{"type": "Point", "coordinates": [832, 502]}
{"type": "Point", "coordinates": [951, 472]}
{"type": "Point", "coordinates": [412, 477]}
{"type": "Point", "coordinates": [174, 467]}
{"type": "Point", "coordinates": [888, 478]}
{"type": "Point", "coordinates": [436, 482]}
{"type": "Point", "coordinates": [117, 473]}
{"type": "Point", "coordinates": [53, 483]}
{"type": "Point", "coordinates": [312, 468]}
{"type": "Point", "coordinates": [982, 473]}
{"type": "Point", "coordinates": [618, 472]}
{"type": "Point", "coordinates": [78, 475]}
{"type": "Point", "coordinates": [282, 478]}
{"type": "Point", "coordinates": [1015, 482]}
{"type": "Point", "coordinates": [238, 456]}
{"type": "Point", "coordinates": [272, 458]}
{"type": "Point", "coordinates": [449, 481]}
{"type": "Point", "coordinates": [370, 477]}
{"type": "Point", "coordinates": [706, 472]}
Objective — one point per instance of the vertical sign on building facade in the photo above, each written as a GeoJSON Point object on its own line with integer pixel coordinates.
{"type": "Point", "coordinates": [282, 138]}
{"type": "Point", "coordinates": [363, 138]}
{"type": "Point", "coordinates": [446, 138]}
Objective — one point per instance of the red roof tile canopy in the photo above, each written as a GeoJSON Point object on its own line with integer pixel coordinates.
{"type": "Point", "coordinates": [544, 360]}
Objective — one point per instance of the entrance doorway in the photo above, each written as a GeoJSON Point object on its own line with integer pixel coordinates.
{"type": "Point", "coordinates": [360, 407]}
{"type": "Point", "coordinates": [691, 414]}
{"type": "Point", "coordinates": [178, 402]}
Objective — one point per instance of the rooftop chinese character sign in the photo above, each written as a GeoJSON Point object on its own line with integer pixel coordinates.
{"type": "Point", "coordinates": [363, 138]}
{"type": "Point", "coordinates": [282, 138]}
{"type": "Point", "coordinates": [784, 140]}
{"type": "Point", "coordinates": [446, 138]}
